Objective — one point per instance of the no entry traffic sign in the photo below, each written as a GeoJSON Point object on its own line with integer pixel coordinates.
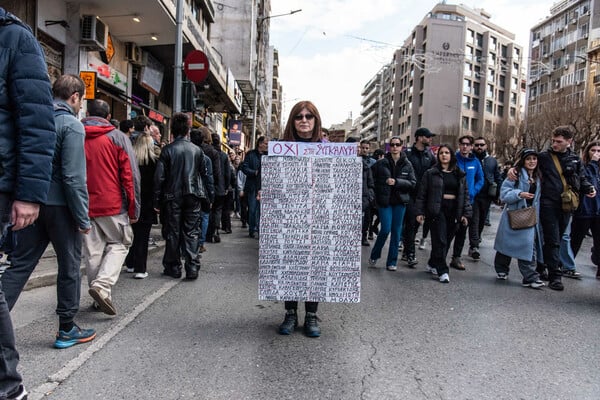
{"type": "Point", "coordinates": [196, 66]}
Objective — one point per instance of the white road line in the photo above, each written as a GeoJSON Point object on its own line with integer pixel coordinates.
{"type": "Point", "coordinates": [45, 389]}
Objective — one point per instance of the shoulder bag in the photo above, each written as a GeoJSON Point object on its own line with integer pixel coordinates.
{"type": "Point", "coordinates": [522, 218]}
{"type": "Point", "coordinates": [569, 198]}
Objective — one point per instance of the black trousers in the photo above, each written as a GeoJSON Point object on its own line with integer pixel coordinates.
{"type": "Point", "coordinates": [215, 218]}
{"type": "Point", "coordinates": [554, 221]}
{"type": "Point", "coordinates": [227, 210]}
{"type": "Point", "coordinates": [244, 209]}
{"type": "Point", "coordinates": [411, 226]}
{"type": "Point", "coordinates": [55, 225]}
{"type": "Point", "coordinates": [309, 306]}
{"type": "Point", "coordinates": [443, 228]}
{"type": "Point", "coordinates": [481, 208]}
{"type": "Point", "coordinates": [137, 257]}
{"type": "Point", "coordinates": [580, 228]}
{"type": "Point", "coordinates": [182, 234]}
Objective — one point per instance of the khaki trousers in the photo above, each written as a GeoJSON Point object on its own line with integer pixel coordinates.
{"type": "Point", "coordinates": [104, 250]}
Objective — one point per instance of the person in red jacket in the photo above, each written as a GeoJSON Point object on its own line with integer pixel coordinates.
{"type": "Point", "coordinates": [114, 186]}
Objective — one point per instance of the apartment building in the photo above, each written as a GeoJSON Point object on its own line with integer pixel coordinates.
{"type": "Point", "coordinates": [558, 48]}
{"type": "Point", "coordinates": [374, 116]}
{"type": "Point", "coordinates": [274, 128]}
{"type": "Point", "coordinates": [456, 73]}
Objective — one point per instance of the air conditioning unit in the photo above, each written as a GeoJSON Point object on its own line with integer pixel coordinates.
{"type": "Point", "coordinates": [94, 33]}
{"type": "Point", "coordinates": [574, 21]}
{"type": "Point", "coordinates": [578, 82]}
{"type": "Point", "coordinates": [133, 53]}
{"type": "Point", "coordinates": [560, 28]}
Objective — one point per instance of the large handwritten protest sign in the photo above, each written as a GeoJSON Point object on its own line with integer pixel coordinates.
{"type": "Point", "coordinates": [310, 222]}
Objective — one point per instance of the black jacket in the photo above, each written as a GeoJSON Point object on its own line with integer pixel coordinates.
{"type": "Point", "coordinates": [402, 171]}
{"type": "Point", "coordinates": [178, 172]}
{"type": "Point", "coordinates": [215, 158]}
{"type": "Point", "coordinates": [368, 186]}
{"type": "Point", "coordinates": [421, 162]}
{"type": "Point", "coordinates": [251, 168]}
{"type": "Point", "coordinates": [491, 174]}
{"type": "Point", "coordinates": [431, 193]}
{"type": "Point", "coordinates": [552, 186]}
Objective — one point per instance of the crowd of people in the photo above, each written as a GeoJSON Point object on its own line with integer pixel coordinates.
{"type": "Point", "coordinates": [450, 194]}
{"type": "Point", "coordinates": [95, 187]}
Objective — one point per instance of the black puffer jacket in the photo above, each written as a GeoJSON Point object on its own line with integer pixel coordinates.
{"type": "Point", "coordinates": [27, 135]}
{"type": "Point", "coordinates": [402, 171]}
{"type": "Point", "coordinates": [368, 186]}
{"type": "Point", "coordinates": [178, 172]}
{"type": "Point", "coordinates": [431, 194]}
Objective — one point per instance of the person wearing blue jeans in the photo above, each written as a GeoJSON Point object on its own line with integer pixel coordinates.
{"type": "Point", "coordinates": [394, 180]}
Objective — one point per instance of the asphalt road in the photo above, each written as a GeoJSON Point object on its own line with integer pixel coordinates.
{"type": "Point", "coordinates": [410, 337]}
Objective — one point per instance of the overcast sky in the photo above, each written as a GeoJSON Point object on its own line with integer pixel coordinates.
{"type": "Point", "coordinates": [330, 50]}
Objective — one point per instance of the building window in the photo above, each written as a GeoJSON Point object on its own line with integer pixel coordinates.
{"type": "Point", "coordinates": [476, 88]}
{"type": "Point", "coordinates": [501, 96]}
{"type": "Point", "coordinates": [474, 125]}
{"type": "Point", "coordinates": [479, 40]}
{"type": "Point", "coordinates": [502, 81]}
{"type": "Point", "coordinates": [466, 102]}
{"type": "Point", "coordinates": [500, 111]}
{"type": "Point", "coordinates": [465, 123]}
{"type": "Point", "coordinates": [490, 75]}
{"type": "Point", "coordinates": [477, 72]}
{"type": "Point", "coordinates": [489, 106]}
{"type": "Point", "coordinates": [490, 91]}
{"type": "Point", "coordinates": [513, 112]}
{"type": "Point", "coordinates": [504, 51]}
{"type": "Point", "coordinates": [466, 86]}
{"type": "Point", "coordinates": [513, 98]}
{"type": "Point", "coordinates": [468, 69]}
{"type": "Point", "coordinates": [470, 36]}
{"type": "Point", "coordinates": [515, 84]}
{"type": "Point", "coordinates": [475, 104]}
{"type": "Point", "coordinates": [478, 55]}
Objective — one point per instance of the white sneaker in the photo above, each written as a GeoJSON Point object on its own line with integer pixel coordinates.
{"type": "Point", "coordinates": [391, 268]}
{"type": "Point", "coordinates": [430, 269]}
{"type": "Point", "coordinates": [423, 244]}
{"type": "Point", "coordinates": [140, 275]}
{"type": "Point", "coordinates": [130, 270]}
{"type": "Point", "coordinates": [444, 278]}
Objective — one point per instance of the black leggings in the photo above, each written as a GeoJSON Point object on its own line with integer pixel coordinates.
{"type": "Point", "coordinates": [309, 306]}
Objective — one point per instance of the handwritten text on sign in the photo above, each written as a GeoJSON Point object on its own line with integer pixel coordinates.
{"type": "Point", "coordinates": [310, 228]}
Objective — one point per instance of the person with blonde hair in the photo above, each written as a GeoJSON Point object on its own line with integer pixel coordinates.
{"type": "Point", "coordinates": [146, 153]}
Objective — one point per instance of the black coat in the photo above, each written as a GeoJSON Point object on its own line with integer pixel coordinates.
{"type": "Point", "coordinates": [178, 172]}
{"type": "Point", "coordinates": [368, 186]}
{"type": "Point", "coordinates": [402, 172]}
{"type": "Point", "coordinates": [431, 194]}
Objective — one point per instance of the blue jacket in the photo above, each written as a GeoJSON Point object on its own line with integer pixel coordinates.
{"type": "Point", "coordinates": [472, 167]}
{"type": "Point", "coordinates": [251, 168]}
{"type": "Point", "coordinates": [69, 186]}
{"type": "Point", "coordinates": [589, 208]}
{"type": "Point", "coordinates": [27, 134]}
{"type": "Point", "coordinates": [520, 243]}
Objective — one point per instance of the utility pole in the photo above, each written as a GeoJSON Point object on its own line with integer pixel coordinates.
{"type": "Point", "coordinates": [178, 58]}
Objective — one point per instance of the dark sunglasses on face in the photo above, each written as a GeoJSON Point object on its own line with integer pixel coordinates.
{"type": "Point", "coordinates": [465, 144]}
{"type": "Point", "coordinates": [299, 117]}
{"type": "Point", "coordinates": [395, 144]}
{"type": "Point", "coordinates": [479, 145]}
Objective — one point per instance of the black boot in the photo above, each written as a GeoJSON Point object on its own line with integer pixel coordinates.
{"type": "Point", "coordinates": [364, 241]}
{"type": "Point", "coordinates": [290, 322]}
{"type": "Point", "coordinates": [311, 326]}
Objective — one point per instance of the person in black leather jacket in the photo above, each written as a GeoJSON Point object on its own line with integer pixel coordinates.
{"type": "Point", "coordinates": [394, 180]}
{"type": "Point", "coordinates": [179, 193]}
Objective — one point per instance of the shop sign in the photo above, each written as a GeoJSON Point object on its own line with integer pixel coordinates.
{"type": "Point", "coordinates": [89, 79]}
{"type": "Point", "coordinates": [233, 91]}
{"type": "Point", "coordinates": [106, 73]}
{"type": "Point", "coordinates": [158, 117]}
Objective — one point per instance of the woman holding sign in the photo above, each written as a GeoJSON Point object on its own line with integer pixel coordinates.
{"type": "Point", "coordinates": [394, 180]}
{"type": "Point", "coordinates": [303, 125]}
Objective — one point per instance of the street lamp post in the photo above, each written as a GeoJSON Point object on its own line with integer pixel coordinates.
{"type": "Point", "coordinates": [254, 111]}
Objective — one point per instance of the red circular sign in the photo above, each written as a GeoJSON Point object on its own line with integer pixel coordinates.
{"type": "Point", "coordinates": [196, 66]}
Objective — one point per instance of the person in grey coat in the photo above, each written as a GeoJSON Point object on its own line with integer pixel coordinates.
{"type": "Point", "coordinates": [523, 244]}
{"type": "Point", "coordinates": [63, 219]}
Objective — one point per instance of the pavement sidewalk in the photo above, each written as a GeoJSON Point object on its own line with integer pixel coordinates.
{"type": "Point", "coordinates": [46, 270]}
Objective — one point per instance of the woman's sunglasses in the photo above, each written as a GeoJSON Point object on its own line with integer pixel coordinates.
{"type": "Point", "coordinates": [308, 117]}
